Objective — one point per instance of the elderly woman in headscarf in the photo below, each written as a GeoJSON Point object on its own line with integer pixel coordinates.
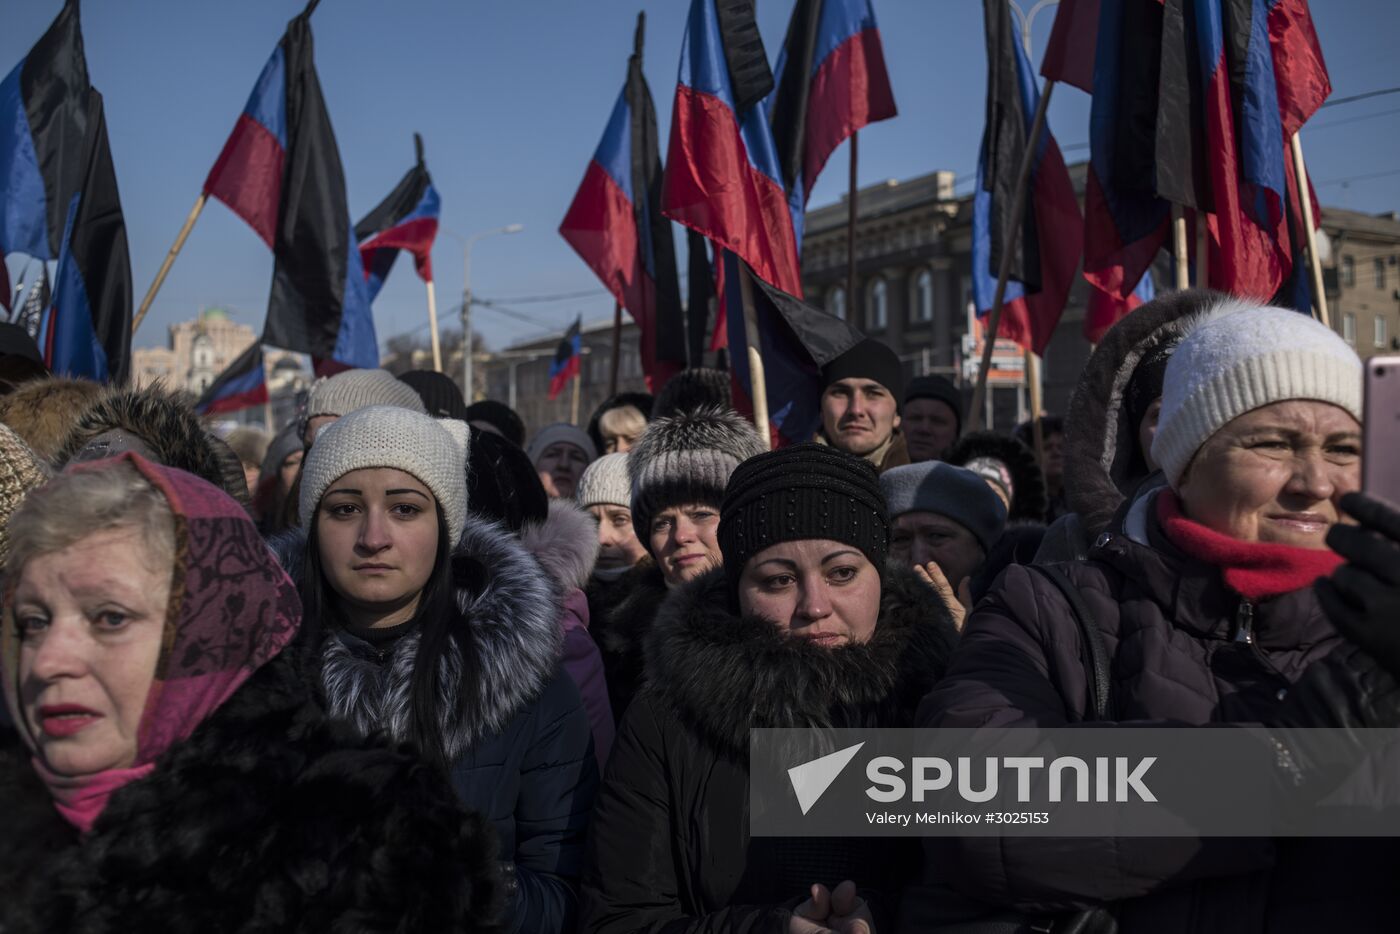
{"type": "Point", "coordinates": [174, 771]}
{"type": "Point", "coordinates": [1203, 593]}
{"type": "Point", "coordinates": [804, 625]}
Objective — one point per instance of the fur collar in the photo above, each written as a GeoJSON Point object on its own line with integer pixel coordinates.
{"type": "Point", "coordinates": [622, 625]}
{"type": "Point", "coordinates": [565, 543]}
{"type": "Point", "coordinates": [360, 836]}
{"type": "Point", "coordinates": [724, 675]}
{"type": "Point", "coordinates": [1099, 442]}
{"type": "Point", "coordinates": [505, 649]}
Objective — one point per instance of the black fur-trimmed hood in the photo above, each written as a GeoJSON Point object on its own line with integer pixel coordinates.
{"type": "Point", "coordinates": [167, 425]}
{"type": "Point", "coordinates": [1100, 444]}
{"type": "Point", "coordinates": [502, 654]}
{"type": "Point", "coordinates": [724, 674]}
{"type": "Point", "coordinates": [269, 817]}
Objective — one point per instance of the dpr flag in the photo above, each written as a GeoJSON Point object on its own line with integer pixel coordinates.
{"type": "Point", "coordinates": [567, 358]}
{"type": "Point", "coordinates": [407, 219]}
{"type": "Point", "coordinates": [280, 171]}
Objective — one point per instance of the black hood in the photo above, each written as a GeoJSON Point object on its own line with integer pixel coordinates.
{"type": "Point", "coordinates": [725, 674]}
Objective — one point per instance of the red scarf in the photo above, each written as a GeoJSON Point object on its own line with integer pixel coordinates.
{"type": "Point", "coordinates": [1254, 570]}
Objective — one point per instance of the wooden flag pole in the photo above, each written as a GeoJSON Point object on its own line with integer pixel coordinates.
{"type": "Point", "coordinates": [616, 347]}
{"type": "Point", "coordinates": [1202, 251]}
{"type": "Point", "coordinates": [756, 377]}
{"type": "Point", "coordinates": [169, 261]}
{"type": "Point", "coordinates": [1179, 248]}
{"type": "Point", "coordinates": [1033, 375]}
{"type": "Point", "coordinates": [851, 196]}
{"type": "Point", "coordinates": [578, 376]}
{"type": "Point", "coordinates": [432, 327]}
{"type": "Point", "coordinates": [1300, 170]}
{"type": "Point", "coordinates": [1018, 208]}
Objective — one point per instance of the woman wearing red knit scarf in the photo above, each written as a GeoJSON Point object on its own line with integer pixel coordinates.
{"type": "Point", "coordinates": [1203, 590]}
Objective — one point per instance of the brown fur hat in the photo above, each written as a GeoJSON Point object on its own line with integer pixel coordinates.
{"type": "Point", "coordinates": [43, 411]}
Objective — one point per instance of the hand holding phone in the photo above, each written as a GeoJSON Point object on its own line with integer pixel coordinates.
{"type": "Point", "coordinates": [1380, 442]}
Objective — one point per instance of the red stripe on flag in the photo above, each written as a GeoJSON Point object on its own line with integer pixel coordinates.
{"type": "Point", "coordinates": [1104, 310]}
{"type": "Point", "coordinates": [1299, 71]}
{"type": "Point", "coordinates": [602, 229]}
{"type": "Point", "coordinates": [711, 188]}
{"type": "Point", "coordinates": [1070, 55]}
{"type": "Point", "coordinates": [1109, 263]}
{"type": "Point", "coordinates": [248, 176]}
{"type": "Point", "coordinates": [1031, 320]}
{"type": "Point", "coordinates": [1245, 259]}
{"type": "Point", "coordinates": [561, 379]}
{"type": "Point", "coordinates": [242, 400]}
{"type": "Point", "coordinates": [415, 235]}
{"type": "Point", "coordinates": [850, 90]}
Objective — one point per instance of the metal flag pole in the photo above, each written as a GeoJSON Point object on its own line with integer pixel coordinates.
{"type": "Point", "coordinates": [616, 347]}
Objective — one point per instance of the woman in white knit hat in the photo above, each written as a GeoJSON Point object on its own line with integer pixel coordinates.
{"type": "Point", "coordinates": [1202, 595]}
{"type": "Point", "coordinates": [440, 630]}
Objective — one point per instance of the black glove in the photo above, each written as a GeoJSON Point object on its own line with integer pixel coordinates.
{"type": "Point", "coordinates": [1362, 598]}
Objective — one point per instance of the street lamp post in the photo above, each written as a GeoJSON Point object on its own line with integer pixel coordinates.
{"type": "Point", "coordinates": [467, 297]}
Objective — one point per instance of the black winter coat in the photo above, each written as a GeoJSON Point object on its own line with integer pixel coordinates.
{"type": "Point", "coordinates": [1172, 630]}
{"type": "Point", "coordinates": [621, 615]}
{"type": "Point", "coordinates": [518, 742]}
{"type": "Point", "coordinates": [269, 818]}
{"type": "Point", "coordinates": [669, 848]}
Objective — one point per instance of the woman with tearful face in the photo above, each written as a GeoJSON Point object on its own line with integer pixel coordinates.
{"type": "Point", "coordinates": [440, 630]}
{"type": "Point", "coordinates": [1206, 594]}
{"type": "Point", "coordinates": [805, 625]}
{"type": "Point", "coordinates": [176, 771]}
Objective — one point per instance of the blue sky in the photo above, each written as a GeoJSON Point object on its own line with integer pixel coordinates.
{"type": "Point", "coordinates": [511, 98]}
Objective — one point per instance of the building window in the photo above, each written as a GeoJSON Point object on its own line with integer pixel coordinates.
{"type": "Point", "coordinates": [1349, 328]}
{"type": "Point", "coordinates": [1348, 272]}
{"type": "Point", "coordinates": [1379, 266]}
{"type": "Point", "coordinates": [923, 297]}
{"type": "Point", "coordinates": [879, 305]}
{"type": "Point", "coordinates": [836, 302]}
{"type": "Point", "coordinates": [1381, 335]}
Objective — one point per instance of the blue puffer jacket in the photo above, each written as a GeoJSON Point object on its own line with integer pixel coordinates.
{"type": "Point", "coordinates": [514, 729]}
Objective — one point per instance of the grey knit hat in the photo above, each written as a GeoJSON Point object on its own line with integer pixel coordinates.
{"type": "Point", "coordinates": [1243, 356]}
{"type": "Point", "coordinates": [433, 450]}
{"type": "Point", "coordinates": [687, 459]}
{"type": "Point", "coordinates": [954, 492]}
{"type": "Point", "coordinates": [345, 392]}
{"type": "Point", "coordinates": [560, 431]}
{"type": "Point", "coordinates": [605, 482]}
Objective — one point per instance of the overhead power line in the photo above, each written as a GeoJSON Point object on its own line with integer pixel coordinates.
{"type": "Point", "coordinates": [1359, 97]}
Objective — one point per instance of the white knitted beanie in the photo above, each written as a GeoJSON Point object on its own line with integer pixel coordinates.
{"type": "Point", "coordinates": [345, 392]}
{"type": "Point", "coordinates": [1240, 357]}
{"type": "Point", "coordinates": [433, 450]}
{"type": "Point", "coordinates": [605, 482]}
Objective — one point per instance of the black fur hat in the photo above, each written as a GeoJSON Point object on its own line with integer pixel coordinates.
{"type": "Point", "coordinates": [165, 424]}
{"type": "Point", "coordinates": [1028, 502]}
{"type": "Point", "coordinates": [696, 388]}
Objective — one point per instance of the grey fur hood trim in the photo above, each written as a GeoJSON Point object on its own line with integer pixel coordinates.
{"type": "Point", "coordinates": [565, 543]}
{"type": "Point", "coordinates": [724, 674]}
{"type": "Point", "coordinates": [1099, 444]}
{"type": "Point", "coordinates": [505, 648]}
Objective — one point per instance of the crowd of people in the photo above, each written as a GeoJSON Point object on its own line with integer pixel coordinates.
{"type": "Point", "coordinates": [409, 664]}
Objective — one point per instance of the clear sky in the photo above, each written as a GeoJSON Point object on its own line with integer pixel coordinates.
{"type": "Point", "coordinates": [511, 97]}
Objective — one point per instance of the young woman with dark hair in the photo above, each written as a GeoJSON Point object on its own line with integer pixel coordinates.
{"type": "Point", "coordinates": [441, 631]}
